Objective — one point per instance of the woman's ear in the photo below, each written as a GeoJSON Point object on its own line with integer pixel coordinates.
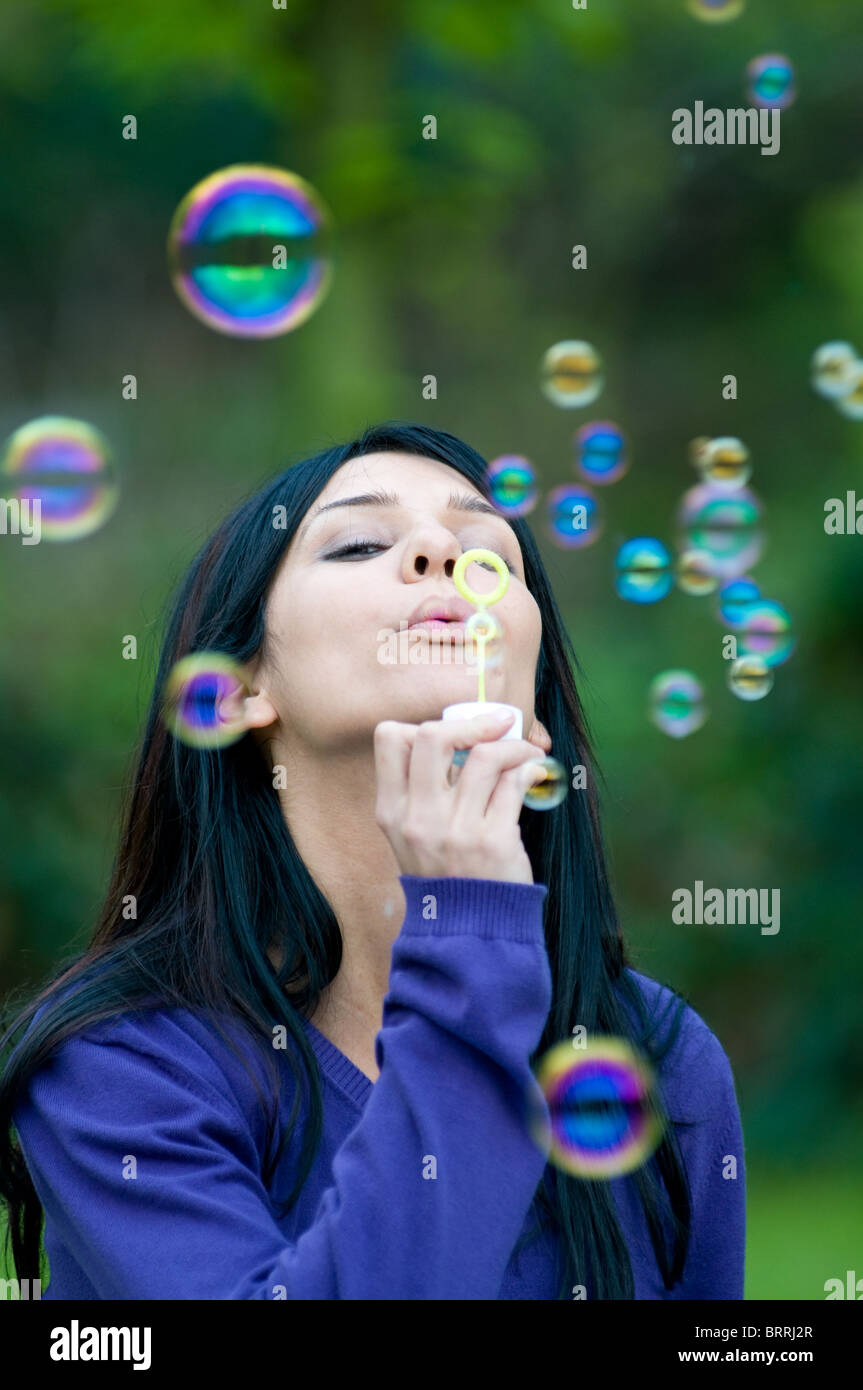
{"type": "Point", "coordinates": [540, 736]}
{"type": "Point", "coordinates": [259, 711]}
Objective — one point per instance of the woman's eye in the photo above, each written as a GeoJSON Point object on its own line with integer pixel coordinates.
{"type": "Point", "coordinates": [355, 548]}
{"type": "Point", "coordinates": [359, 547]}
{"type": "Point", "coordinates": [483, 564]}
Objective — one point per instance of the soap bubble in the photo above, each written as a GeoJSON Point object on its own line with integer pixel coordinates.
{"type": "Point", "coordinates": [201, 704]}
{"type": "Point", "coordinates": [750, 678]}
{"type": "Point", "coordinates": [694, 573]}
{"type": "Point", "coordinates": [483, 630]}
{"type": "Point", "coordinates": [511, 482]}
{"type": "Point", "coordinates": [601, 1117]}
{"type": "Point", "coordinates": [572, 374]}
{"type": "Point", "coordinates": [643, 570]}
{"type": "Point", "coordinates": [698, 450]}
{"type": "Point", "coordinates": [67, 465]}
{"type": "Point", "coordinates": [726, 461]}
{"type": "Point", "coordinates": [851, 402]}
{"type": "Point", "coordinates": [770, 79]}
{"type": "Point", "coordinates": [735, 597]}
{"type": "Point", "coordinates": [552, 790]}
{"type": "Point", "coordinates": [601, 452]}
{"type": "Point", "coordinates": [224, 251]}
{"type": "Point", "coordinates": [574, 518]}
{"type": "Point", "coordinates": [715, 11]}
{"type": "Point", "coordinates": [766, 631]}
{"type": "Point", "coordinates": [726, 524]}
{"type": "Point", "coordinates": [676, 703]}
{"type": "Point", "coordinates": [834, 369]}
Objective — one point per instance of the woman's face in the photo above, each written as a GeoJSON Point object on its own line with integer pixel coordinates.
{"type": "Point", "coordinates": [337, 666]}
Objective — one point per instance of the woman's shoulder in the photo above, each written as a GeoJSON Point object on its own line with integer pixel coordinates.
{"type": "Point", "coordinates": [694, 1068]}
{"type": "Point", "coordinates": [214, 1058]}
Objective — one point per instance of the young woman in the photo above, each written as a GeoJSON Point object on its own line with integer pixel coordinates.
{"type": "Point", "coordinates": [294, 1059]}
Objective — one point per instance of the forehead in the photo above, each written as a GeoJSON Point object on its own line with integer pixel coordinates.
{"type": "Point", "coordinates": [415, 473]}
{"type": "Point", "coordinates": [398, 480]}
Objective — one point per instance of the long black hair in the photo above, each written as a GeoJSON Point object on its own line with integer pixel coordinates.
{"type": "Point", "coordinates": [218, 882]}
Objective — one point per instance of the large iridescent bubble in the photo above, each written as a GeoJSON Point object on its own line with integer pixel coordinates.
{"type": "Point", "coordinates": [65, 467]}
{"type": "Point", "coordinates": [726, 525]}
{"type": "Point", "coordinates": [248, 251]}
{"type": "Point", "coordinates": [676, 703]}
{"type": "Point", "coordinates": [202, 700]}
{"type": "Point", "coordinates": [574, 517]}
{"type": "Point", "coordinates": [603, 1116]}
{"type": "Point", "coordinates": [643, 570]}
{"type": "Point", "coordinates": [766, 631]}
{"type": "Point", "coordinates": [511, 481]}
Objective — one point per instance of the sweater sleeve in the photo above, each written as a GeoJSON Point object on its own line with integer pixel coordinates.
{"type": "Point", "coordinates": [150, 1172]}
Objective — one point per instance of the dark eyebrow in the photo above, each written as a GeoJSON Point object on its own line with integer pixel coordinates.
{"type": "Point", "coordinates": [457, 502]}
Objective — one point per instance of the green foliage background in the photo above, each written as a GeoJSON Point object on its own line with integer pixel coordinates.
{"type": "Point", "coordinates": [454, 257]}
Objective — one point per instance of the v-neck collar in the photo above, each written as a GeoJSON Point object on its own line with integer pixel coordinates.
{"type": "Point", "coordinates": [340, 1069]}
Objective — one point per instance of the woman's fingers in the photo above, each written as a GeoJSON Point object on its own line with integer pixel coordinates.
{"type": "Point", "coordinates": [436, 742]}
{"type": "Point", "coordinates": [476, 792]}
{"type": "Point", "coordinates": [468, 829]}
{"type": "Point", "coordinates": [418, 758]}
{"type": "Point", "coordinates": [393, 742]}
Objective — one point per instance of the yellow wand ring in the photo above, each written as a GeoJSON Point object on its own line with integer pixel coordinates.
{"type": "Point", "coordinates": [489, 557]}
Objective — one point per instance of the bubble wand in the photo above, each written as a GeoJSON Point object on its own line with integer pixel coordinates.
{"type": "Point", "coordinates": [481, 628]}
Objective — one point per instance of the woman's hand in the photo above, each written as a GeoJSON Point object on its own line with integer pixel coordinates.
{"type": "Point", "coordinates": [466, 827]}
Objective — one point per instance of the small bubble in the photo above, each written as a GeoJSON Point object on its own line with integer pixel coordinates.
{"type": "Point", "coordinates": [201, 703]}
{"type": "Point", "coordinates": [725, 461]}
{"type": "Point", "coordinates": [643, 570]}
{"type": "Point", "coordinates": [571, 374]}
{"type": "Point", "coordinates": [574, 518]}
{"type": "Point", "coordinates": [750, 678]}
{"type": "Point", "coordinates": [676, 703]}
{"type": "Point", "coordinates": [734, 599]}
{"type": "Point", "coordinates": [511, 482]}
{"type": "Point", "coordinates": [766, 631]}
{"type": "Point", "coordinates": [770, 80]}
{"type": "Point", "coordinates": [601, 452]}
{"type": "Point", "coordinates": [834, 369]}
{"type": "Point", "coordinates": [694, 573]}
{"type": "Point", "coordinates": [697, 450]}
{"type": "Point", "coordinates": [552, 790]}
{"type": "Point", "coordinates": [850, 403]}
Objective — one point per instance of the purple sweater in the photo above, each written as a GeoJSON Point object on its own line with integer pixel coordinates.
{"type": "Point", "coordinates": [147, 1140]}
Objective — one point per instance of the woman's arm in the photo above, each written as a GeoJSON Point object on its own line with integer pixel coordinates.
{"type": "Point", "coordinates": [470, 989]}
